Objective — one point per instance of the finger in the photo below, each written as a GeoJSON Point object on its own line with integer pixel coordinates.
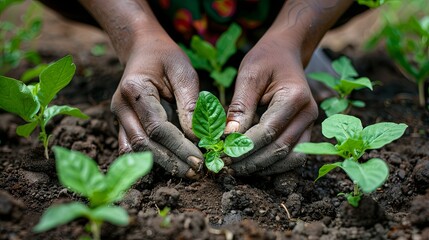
{"type": "Point", "coordinates": [249, 88]}
{"type": "Point", "coordinates": [124, 145]}
{"type": "Point", "coordinates": [185, 86]}
{"type": "Point", "coordinates": [283, 107]}
{"type": "Point", "coordinates": [275, 151]}
{"type": "Point", "coordinates": [133, 135]}
{"type": "Point", "coordinates": [143, 97]}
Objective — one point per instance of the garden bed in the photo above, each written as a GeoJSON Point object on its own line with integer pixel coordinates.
{"type": "Point", "coordinates": [222, 206]}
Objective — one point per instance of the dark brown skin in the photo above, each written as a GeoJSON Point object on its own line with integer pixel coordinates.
{"type": "Point", "coordinates": [272, 74]}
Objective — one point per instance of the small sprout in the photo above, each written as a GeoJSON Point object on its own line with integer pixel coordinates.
{"type": "Point", "coordinates": [30, 102]}
{"type": "Point", "coordinates": [352, 142]}
{"type": "Point", "coordinates": [343, 85]}
{"type": "Point", "coordinates": [204, 55]}
{"type": "Point", "coordinates": [166, 220]}
{"type": "Point", "coordinates": [208, 124]}
{"type": "Point", "coordinates": [98, 50]}
{"type": "Point", "coordinates": [81, 175]}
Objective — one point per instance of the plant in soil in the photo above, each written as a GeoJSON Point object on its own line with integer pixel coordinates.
{"type": "Point", "coordinates": [352, 142]}
{"type": "Point", "coordinates": [204, 55]}
{"type": "Point", "coordinates": [30, 102]}
{"type": "Point", "coordinates": [166, 220]}
{"type": "Point", "coordinates": [208, 124]}
{"type": "Point", "coordinates": [14, 37]}
{"type": "Point", "coordinates": [342, 85]}
{"type": "Point", "coordinates": [407, 42]}
{"type": "Point", "coordinates": [81, 175]}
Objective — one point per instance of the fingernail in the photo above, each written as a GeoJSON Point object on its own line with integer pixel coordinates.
{"type": "Point", "coordinates": [191, 174]}
{"type": "Point", "coordinates": [196, 163]}
{"type": "Point", "coordinates": [231, 127]}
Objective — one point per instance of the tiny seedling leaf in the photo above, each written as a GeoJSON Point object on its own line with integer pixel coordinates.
{"type": "Point", "coordinates": [224, 78]}
{"type": "Point", "coordinates": [54, 78]}
{"type": "Point", "coordinates": [197, 61]}
{"type": "Point", "coordinates": [347, 85]}
{"type": "Point", "coordinates": [213, 161]}
{"type": "Point", "coordinates": [125, 171]}
{"type": "Point", "coordinates": [16, 97]}
{"type": "Point", "coordinates": [343, 66]}
{"type": "Point", "coordinates": [325, 78]}
{"type": "Point", "coordinates": [26, 129]}
{"type": "Point", "coordinates": [369, 175]}
{"type": "Point", "coordinates": [377, 135]}
{"type": "Point", "coordinates": [211, 144]}
{"type": "Point", "coordinates": [226, 44]}
{"type": "Point", "coordinates": [61, 214]}
{"type": "Point", "coordinates": [78, 172]}
{"type": "Point", "coordinates": [202, 48]}
{"type": "Point", "coordinates": [325, 169]}
{"type": "Point", "coordinates": [357, 103]}
{"type": "Point", "coordinates": [209, 118]}
{"type": "Point", "coordinates": [33, 73]}
{"type": "Point", "coordinates": [334, 105]}
{"type": "Point", "coordinates": [316, 148]}
{"type": "Point", "coordinates": [341, 127]}
{"type": "Point", "coordinates": [113, 214]}
{"type": "Point", "coordinates": [237, 144]}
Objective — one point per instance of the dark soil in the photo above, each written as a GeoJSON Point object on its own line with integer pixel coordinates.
{"type": "Point", "coordinates": [288, 206]}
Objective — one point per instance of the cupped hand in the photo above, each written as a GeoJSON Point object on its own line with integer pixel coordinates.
{"type": "Point", "coordinates": [271, 75]}
{"type": "Point", "coordinates": [158, 69]}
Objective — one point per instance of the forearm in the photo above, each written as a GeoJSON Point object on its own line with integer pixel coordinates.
{"type": "Point", "coordinates": [304, 22]}
{"type": "Point", "coordinates": [125, 21]}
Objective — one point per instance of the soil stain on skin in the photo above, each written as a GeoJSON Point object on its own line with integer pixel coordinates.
{"type": "Point", "coordinates": [288, 206]}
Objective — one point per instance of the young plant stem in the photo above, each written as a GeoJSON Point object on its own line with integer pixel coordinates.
{"type": "Point", "coordinates": [43, 136]}
{"type": "Point", "coordinates": [420, 86]}
{"type": "Point", "coordinates": [355, 190]}
{"type": "Point", "coordinates": [95, 229]}
{"type": "Point", "coordinates": [222, 97]}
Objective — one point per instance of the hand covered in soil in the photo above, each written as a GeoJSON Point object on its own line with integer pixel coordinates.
{"type": "Point", "coordinates": [155, 68]}
{"type": "Point", "coordinates": [272, 74]}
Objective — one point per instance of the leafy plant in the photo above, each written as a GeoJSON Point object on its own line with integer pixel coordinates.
{"type": "Point", "coordinates": [352, 142]}
{"type": "Point", "coordinates": [30, 102]}
{"type": "Point", "coordinates": [407, 42]}
{"type": "Point", "coordinates": [208, 124]}
{"type": "Point", "coordinates": [204, 55]}
{"type": "Point", "coordinates": [343, 85]}
{"type": "Point", "coordinates": [13, 37]}
{"type": "Point", "coordinates": [166, 220]}
{"type": "Point", "coordinates": [81, 174]}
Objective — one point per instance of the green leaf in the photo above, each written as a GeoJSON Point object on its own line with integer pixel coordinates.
{"type": "Point", "coordinates": [16, 97]}
{"type": "Point", "coordinates": [325, 78]}
{"type": "Point", "coordinates": [325, 169]}
{"type": "Point", "coordinates": [237, 144]}
{"type": "Point", "coordinates": [208, 143]}
{"type": "Point", "coordinates": [226, 44]}
{"type": "Point", "coordinates": [334, 105]}
{"type": "Point", "coordinates": [113, 214]}
{"type": "Point", "coordinates": [209, 117]}
{"type": "Point", "coordinates": [346, 86]}
{"type": "Point", "coordinates": [203, 48]}
{"type": "Point", "coordinates": [341, 127]}
{"type": "Point", "coordinates": [26, 129]}
{"type": "Point", "coordinates": [78, 172]}
{"type": "Point", "coordinates": [316, 148]}
{"type": "Point", "coordinates": [343, 66]}
{"type": "Point", "coordinates": [124, 172]}
{"type": "Point", "coordinates": [98, 50]}
{"type": "Point", "coordinates": [55, 110]}
{"type": "Point", "coordinates": [7, 3]}
{"type": "Point", "coordinates": [352, 199]}
{"type": "Point", "coordinates": [61, 214]}
{"type": "Point", "coordinates": [377, 135]}
{"type": "Point", "coordinates": [369, 175]}
{"type": "Point", "coordinates": [197, 61]}
{"type": "Point", "coordinates": [54, 78]}
{"type": "Point", "coordinates": [213, 161]}
{"type": "Point", "coordinates": [351, 148]}
{"type": "Point", "coordinates": [357, 103]}
{"type": "Point", "coordinates": [224, 78]}
{"type": "Point", "coordinates": [33, 73]}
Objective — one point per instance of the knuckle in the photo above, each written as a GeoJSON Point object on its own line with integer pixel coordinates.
{"type": "Point", "coordinates": [152, 128]}
{"type": "Point", "coordinates": [139, 143]}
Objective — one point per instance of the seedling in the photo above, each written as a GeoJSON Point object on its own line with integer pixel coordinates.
{"type": "Point", "coordinates": [81, 175]}
{"type": "Point", "coordinates": [352, 142]}
{"type": "Point", "coordinates": [343, 85]}
{"type": "Point", "coordinates": [204, 55]}
{"type": "Point", "coordinates": [166, 220]}
{"type": "Point", "coordinates": [407, 42]}
{"type": "Point", "coordinates": [13, 37]}
{"type": "Point", "coordinates": [208, 124]}
{"type": "Point", "coordinates": [30, 102]}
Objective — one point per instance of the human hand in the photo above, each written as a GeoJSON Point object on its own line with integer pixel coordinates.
{"type": "Point", "coordinates": [271, 74]}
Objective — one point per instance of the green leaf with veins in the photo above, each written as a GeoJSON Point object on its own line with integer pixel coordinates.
{"type": "Point", "coordinates": [325, 78]}
{"type": "Point", "coordinates": [325, 169]}
{"type": "Point", "coordinates": [369, 175]}
{"type": "Point", "coordinates": [377, 135]}
{"type": "Point", "coordinates": [343, 66]}
{"type": "Point", "coordinates": [55, 110]}
{"type": "Point", "coordinates": [209, 118]}
{"type": "Point", "coordinates": [237, 144]}
{"type": "Point", "coordinates": [213, 161]}
{"type": "Point", "coordinates": [226, 44]}
{"type": "Point", "coordinates": [334, 105]}
{"type": "Point", "coordinates": [113, 214]}
{"type": "Point", "coordinates": [317, 148]}
{"type": "Point", "coordinates": [341, 127]}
